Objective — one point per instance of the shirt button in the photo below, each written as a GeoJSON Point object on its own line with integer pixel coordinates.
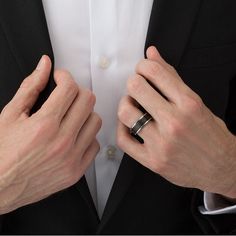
{"type": "Point", "coordinates": [104, 62]}
{"type": "Point", "coordinates": [111, 152]}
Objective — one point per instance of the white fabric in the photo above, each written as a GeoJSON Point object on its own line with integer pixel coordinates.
{"type": "Point", "coordinates": [100, 42]}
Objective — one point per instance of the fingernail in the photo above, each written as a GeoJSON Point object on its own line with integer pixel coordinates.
{"type": "Point", "coordinates": [154, 50]}
{"type": "Point", "coordinates": [153, 53]}
{"type": "Point", "coordinates": [41, 63]}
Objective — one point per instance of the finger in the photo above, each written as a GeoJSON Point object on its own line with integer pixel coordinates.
{"type": "Point", "coordinates": [62, 96]}
{"type": "Point", "coordinates": [88, 133]}
{"type": "Point", "coordinates": [78, 112]}
{"type": "Point", "coordinates": [128, 114]}
{"type": "Point", "coordinates": [141, 91]}
{"type": "Point", "coordinates": [162, 76]}
{"type": "Point", "coordinates": [154, 55]}
{"type": "Point", "coordinates": [27, 94]}
{"type": "Point", "coordinates": [88, 157]}
{"type": "Point", "coordinates": [128, 144]}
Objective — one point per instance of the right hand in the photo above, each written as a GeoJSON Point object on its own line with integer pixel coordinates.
{"type": "Point", "coordinates": [50, 150]}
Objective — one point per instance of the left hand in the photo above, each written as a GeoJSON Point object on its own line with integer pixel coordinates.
{"type": "Point", "coordinates": [185, 142]}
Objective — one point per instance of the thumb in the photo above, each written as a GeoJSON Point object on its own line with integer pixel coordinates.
{"type": "Point", "coordinates": [27, 94]}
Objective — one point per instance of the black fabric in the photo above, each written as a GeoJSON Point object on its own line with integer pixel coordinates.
{"type": "Point", "coordinates": [198, 37]}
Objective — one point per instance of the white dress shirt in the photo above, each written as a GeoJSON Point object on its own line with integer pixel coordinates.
{"type": "Point", "coordinates": [100, 43]}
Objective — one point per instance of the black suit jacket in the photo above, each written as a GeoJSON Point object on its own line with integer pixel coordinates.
{"type": "Point", "coordinates": [198, 37]}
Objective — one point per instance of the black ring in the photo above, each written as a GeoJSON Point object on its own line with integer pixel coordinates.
{"type": "Point", "coordinates": [140, 123]}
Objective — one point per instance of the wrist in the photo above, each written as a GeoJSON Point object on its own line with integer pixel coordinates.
{"type": "Point", "coordinates": [229, 193]}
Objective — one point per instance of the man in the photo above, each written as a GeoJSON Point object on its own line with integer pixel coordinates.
{"type": "Point", "coordinates": [165, 127]}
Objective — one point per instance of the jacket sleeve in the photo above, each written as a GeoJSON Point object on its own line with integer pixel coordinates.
{"type": "Point", "coordinates": [223, 223]}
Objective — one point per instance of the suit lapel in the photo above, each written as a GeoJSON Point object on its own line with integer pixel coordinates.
{"type": "Point", "coordinates": [170, 26]}
{"type": "Point", "coordinates": [122, 182]}
{"type": "Point", "coordinates": [83, 188]}
{"type": "Point", "coordinates": [26, 31]}
{"type": "Point", "coordinates": [25, 28]}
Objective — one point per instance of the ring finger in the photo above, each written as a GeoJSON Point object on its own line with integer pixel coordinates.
{"type": "Point", "coordinates": [128, 114]}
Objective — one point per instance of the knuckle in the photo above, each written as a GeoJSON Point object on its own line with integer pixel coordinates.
{"type": "Point", "coordinates": [34, 92]}
{"type": "Point", "coordinates": [153, 68]}
{"type": "Point", "coordinates": [98, 119]}
{"type": "Point", "coordinates": [150, 68]}
{"type": "Point", "coordinates": [29, 87]}
{"type": "Point", "coordinates": [193, 105]}
{"type": "Point", "coordinates": [140, 64]}
{"type": "Point", "coordinates": [122, 104]}
{"type": "Point", "coordinates": [68, 82]}
{"type": "Point", "coordinates": [26, 82]}
{"type": "Point", "coordinates": [62, 74]}
{"type": "Point", "coordinates": [71, 86]}
{"type": "Point", "coordinates": [123, 112]}
{"type": "Point", "coordinates": [44, 127]}
{"type": "Point", "coordinates": [134, 84]}
{"type": "Point", "coordinates": [90, 97]}
{"type": "Point", "coordinates": [62, 145]}
{"type": "Point", "coordinates": [96, 145]}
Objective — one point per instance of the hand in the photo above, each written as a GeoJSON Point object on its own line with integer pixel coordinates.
{"type": "Point", "coordinates": [185, 143]}
{"type": "Point", "coordinates": [50, 150]}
